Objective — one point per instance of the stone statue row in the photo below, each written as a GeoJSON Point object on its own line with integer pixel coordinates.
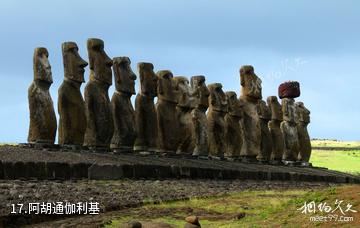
{"type": "Point", "coordinates": [189, 118]}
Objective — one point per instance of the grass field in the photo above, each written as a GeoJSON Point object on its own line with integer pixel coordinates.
{"type": "Point", "coordinates": [257, 209]}
{"type": "Point", "coordinates": [335, 143]}
{"type": "Point", "coordinates": [266, 208]}
{"type": "Point", "coordinates": [334, 156]}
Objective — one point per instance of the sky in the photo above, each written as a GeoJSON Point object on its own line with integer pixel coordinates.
{"type": "Point", "coordinates": [314, 42]}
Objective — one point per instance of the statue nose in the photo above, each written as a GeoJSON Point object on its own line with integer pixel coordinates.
{"type": "Point", "coordinates": [83, 63]}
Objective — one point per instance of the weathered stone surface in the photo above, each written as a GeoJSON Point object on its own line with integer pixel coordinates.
{"type": "Point", "coordinates": [79, 170]}
{"type": "Point", "coordinates": [122, 109]}
{"type": "Point", "coordinates": [58, 170]}
{"type": "Point", "coordinates": [192, 222]}
{"type": "Point", "coordinates": [145, 114]}
{"type": "Point", "coordinates": [1, 170]}
{"type": "Point", "coordinates": [289, 129]}
{"type": "Point", "coordinates": [167, 122]}
{"type": "Point", "coordinates": [72, 165]}
{"type": "Point", "coordinates": [250, 82]}
{"type": "Point", "coordinates": [216, 124]}
{"type": "Point", "coordinates": [200, 93]}
{"type": "Point", "coordinates": [274, 127]}
{"type": "Point", "coordinates": [290, 89]}
{"type": "Point", "coordinates": [71, 105]}
{"type": "Point", "coordinates": [250, 95]}
{"type": "Point", "coordinates": [43, 124]}
{"type": "Point", "coordinates": [186, 103]}
{"type": "Point", "coordinates": [105, 172]}
{"type": "Point", "coordinates": [8, 170]}
{"type": "Point", "coordinates": [100, 124]}
{"type": "Point", "coordinates": [132, 224]}
{"type": "Point", "coordinates": [266, 140]}
{"type": "Point", "coordinates": [234, 134]}
{"type": "Point", "coordinates": [302, 121]}
{"type": "Point", "coordinates": [188, 225]}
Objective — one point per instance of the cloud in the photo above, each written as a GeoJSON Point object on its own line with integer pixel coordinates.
{"type": "Point", "coordinates": [213, 38]}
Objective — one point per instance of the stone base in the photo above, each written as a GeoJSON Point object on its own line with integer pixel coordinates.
{"type": "Point", "coordinates": [248, 159]}
{"type": "Point", "coordinates": [97, 149]}
{"type": "Point", "coordinates": [144, 153]}
{"type": "Point", "coordinates": [46, 146]}
{"type": "Point", "coordinates": [276, 162]}
{"type": "Point", "coordinates": [71, 147]}
{"type": "Point", "coordinates": [216, 158]}
{"type": "Point", "coordinates": [263, 161]}
{"type": "Point", "coordinates": [122, 150]}
{"type": "Point", "coordinates": [202, 157]}
{"type": "Point", "coordinates": [292, 163]}
{"type": "Point", "coordinates": [306, 164]}
{"type": "Point", "coordinates": [29, 163]}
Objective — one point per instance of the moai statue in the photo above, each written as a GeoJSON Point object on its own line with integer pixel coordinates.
{"type": "Point", "coordinates": [186, 103]}
{"type": "Point", "coordinates": [266, 141]}
{"type": "Point", "coordinates": [250, 96]}
{"type": "Point", "coordinates": [145, 113]}
{"type": "Point", "coordinates": [234, 134]}
{"type": "Point", "coordinates": [122, 109]}
{"type": "Point", "coordinates": [274, 127]}
{"type": "Point", "coordinates": [42, 130]}
{"type": "Point", "coordinates": [100, 124]}
{"type": "Point", "coordinates": [201, 94]}
{"type": "Point", "coordinates": [302, 120]}
{"type": "Point", "coordinates": [287, 92]}
{"type": "Point", "coordinates": [71, 105]}
{"type": "Point", "coordinates": [166, 113]}
{"type": "Point", "coordinates": [216, 124]}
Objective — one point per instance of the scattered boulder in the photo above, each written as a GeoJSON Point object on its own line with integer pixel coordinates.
{"type": "Point", "coordinates": [192, 222]}
{"type": "Point", "coordinates": [132, 224]}
{"type": "Point", "coordinates": [239, 215]}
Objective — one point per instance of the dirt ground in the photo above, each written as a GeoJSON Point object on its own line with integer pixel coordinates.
{"type": "Point", "coordinates": [119, 195]}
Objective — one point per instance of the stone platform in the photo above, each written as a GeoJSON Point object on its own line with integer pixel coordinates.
{"type": "Point", "coordinates": [28, 163]}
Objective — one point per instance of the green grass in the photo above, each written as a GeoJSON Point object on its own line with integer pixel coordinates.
{"type": "Point", "coordinates": [333, 143]}
{"type": "Point", "coordinates": [344, 161]}
{"type": "Point", "coordinates": [219, 211]}
{"type": "Point", "coordinates": [261, 208]}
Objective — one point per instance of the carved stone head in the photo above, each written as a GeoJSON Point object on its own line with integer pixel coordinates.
{"type": "Point", "coordinates": [99, 61]}
{"type": "Point", "coordinates": [264, 110]}
{"type": "Point", "coordinates": [234, 104]}
{"type": "Point", "coordinates": [148, 79]}
{"type": "Point", "coordinates": [42, 68]}
{"type": "Point", "coordinates": [275, 108]}
{"type": "Point", "coordinates": [124, 76]}
{"type": "Point", "coordinates": [200, 91]}
{"type": "Point", "coordinates": [250, 82]}
{"type": "Point", "coordinates": [73, 64]}
{"type": "Point", "coordinates": [303, 114]}
{"type": "Point", "coordinates": [166, 88]}
{"type": "Point", "coordinates": [185, 98]}
{"type": "Point", "coordinates": [217, 98]}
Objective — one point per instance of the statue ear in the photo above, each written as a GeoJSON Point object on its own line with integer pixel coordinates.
{"type": "Point", "coordinates": [116, 72]}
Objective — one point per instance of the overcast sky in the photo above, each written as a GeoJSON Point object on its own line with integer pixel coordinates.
{"type": "Point", "coordinates": [314, 42]}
